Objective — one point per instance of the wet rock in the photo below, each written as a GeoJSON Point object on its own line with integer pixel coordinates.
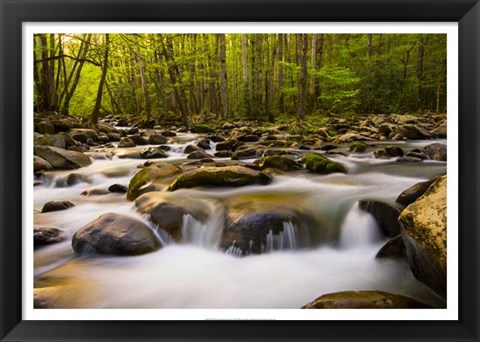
{"type": "Point", "coordinates": [43, 236]}
{"type": "Point", "coordinates": [248, 138]}
{"type": "Point", "coordinates": [204, 144]}
{"type": "Point", "coordinates": [364, 300]}
{"type": "Point", "coordinates": [215, 138]}
{"type": "Point", "coordinates": [219, 177]}
{"type": "Point", "coordinates": [191, 148]}
{"type": "Point", "coordinates": [226, 145]}
{"type": "Point", "coordinates": [411, 194]}
{"type": "Point", "coordinates": [381, 153]}
{"type": "Point", "coordinates": [167, 211]}
{"type": "Point", "coordinates": [94, 192]}
{"type": "Point", "coordinates": [200, 154]}
{"type": "Point", "coordinates": [153, 153]}
{"type": "Point", "coordinates": [408, 160]}
{"type": "Point", "coordinates": [424, 232]}
{"type": "Point", "coordinates": [394, 151]}
{"type": "Point", "coordinates": [358, 147]}
{"type": "Point", "coordinates": [279, 162]}
{"type": "Point", "coordinates": [151, 178]}
{"type": "Point", "coordinates": [415, 154]}
{"type": "Point", "coordinates": [168, 134]}
{"type": "Point", "coordinates": [40, 164]}
{"type": "Point", "coordinates": [118, 188]}
{"type": "Point", "coordinates": [328, 147]}
{"type": "Point", "coordinates": [245, 154]}
{"type": "Point", "coordinates": [202, 129]}
{"type": "Point", "coordinates": [394, 248]}
{"type": "Point", "coordinates": [322, 165]}
{"type": "Point", "coordinates": [436, 151]}
{"type": "Point", "coordinates": [138, 139]}
{"type": "Point", "coordinates": [157, 139]}
{"type": "Point", "coordinates": [56, 206]}
{"type": "Point", "coordinates": [115, 234]}
{"type": "Point", "coordinates": [126, 142]}
{"type": "Point", "coordinates": [251, 220]}
{"type": "Point", "coordinates": [62, 159]}
{"type": "Point", "coordinates": [384, 214]}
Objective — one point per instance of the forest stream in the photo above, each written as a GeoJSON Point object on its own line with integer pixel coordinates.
{"type": "Point", "coordinates": [329, 245]}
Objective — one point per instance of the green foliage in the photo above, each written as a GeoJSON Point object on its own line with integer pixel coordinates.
{"type": "Point", "coordinates": [341, 92]}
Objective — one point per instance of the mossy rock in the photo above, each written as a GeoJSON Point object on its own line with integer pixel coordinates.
{"type": "Point", "coordinates": [202, 129]}
{"type": "Point", "coordinates": [146, 179]}
{"type": "Point", "coordinates": [279, 162]}
{"type": "Point", "coordinates": [229, 176]}
{"type": "Point", "coordinates": [424, 232]}
{"type": "Point", "coordinates": [364, 300]}
{"type": "Point", "coordinates": [322, 165]}
{"type": "Point", "coordinates": [358, 147]}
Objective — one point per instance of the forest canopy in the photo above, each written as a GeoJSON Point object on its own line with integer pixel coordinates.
{"type": "Point", "coordinates": [174, 78]}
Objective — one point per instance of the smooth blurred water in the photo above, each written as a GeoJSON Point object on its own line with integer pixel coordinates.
{"type": "Point", "coordinates": [195, 273]}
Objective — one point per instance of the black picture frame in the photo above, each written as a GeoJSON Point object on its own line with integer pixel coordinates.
{"type": "Point", "coordinates": [14, 12]}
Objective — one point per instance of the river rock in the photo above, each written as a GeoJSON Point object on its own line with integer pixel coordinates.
{"type": "Point", "coordinates": [384, 214]}
{"type": "Point", "coordinates": [56, 140]}
{"type": "Point", "coordinates": [320, 164]}
{"type": "Point", "coordinates": [157, 139]}
{"type": "Point", "coordinates": [62, 159]}
{"type": "Point", "coordinates": [200, 154]}
{"type": "Point", "coordinates": [394, 151]}
{"type": "Point", "coordinates": [126, 142]}
{"type": "Point", "coordinates": [138, 139]}
{"type": "Point", "coordinates": [411, 194]}
{"type": "Point", "coordinates": [204, 143]}
{"type": "Point", "coordinates": [44, 127]}
{"type": "Point", "coordinates": [153, 153]}
{"type": "Point", "coordinates": [358, 147]}
{"type": "Point", "coordinates": [167, 211]}
{"type": "Point", "coordinates": [251, 219]}
{"type": "Point", "coordinates": [56, 206]}
{"type": "Point", "coordinates": [226, 145]}
{"type": "Point", "coordinates": [393, 248]}
{"type": "Point", "coordinates": [40, 164]}
{"type": "Point", "coordinates": [151, 178]}
{"type": "Point", "coordinates": [43, 236]}
{"type": "Point", "coordinates": [219, 177]}
{"type": "Point", "coordinates": [115, 234]}
{"type": "Point", "coordinates": [118, 188]}
{"type": "Point", "coordinates": [411, 132]}
{"type": "Point", "coordinates": [245, 154]}
{"type": "Point", "coordinates": [436, 151]}
{"type": "Point", "coordinates": [202, 129]}
{"type": "Point", "coordinates": [279, 162]}
{"type": "Point", "coordinates": [364, 300]}
{"type": "Point", "coordinates": [83, 134]}
{"type": "Point", "coordinates": [424, 232]}
{"type": "Point", "coordinates": [223, 154]}
{"type": "Point", "coordinates": [94, 192]}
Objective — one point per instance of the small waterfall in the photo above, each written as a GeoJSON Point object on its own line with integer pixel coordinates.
{"type": "Point", "coordinates": [234, 251]}
{"type": "Point", "coordinates": [284, 240]}
{"type": "Point", "coordinates": [206, 234]}
{"type": "Point", "coordinates": [359, 229]}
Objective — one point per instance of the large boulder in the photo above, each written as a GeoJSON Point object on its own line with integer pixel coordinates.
{"type": "Point", "coordinates": [115, 234]}
{"type": "Point", "coordinates": [153, 153]}
{"type": "Point", "coordinates": [167, 210]}
{"type": "Point", "coordinates": [320, 164]}
{"type": "Point", "coordinates": [157, 139]}
{"type": "Point", "coordinates": [228, 176]}
{"type": "Point", "coordinates": [62, 159]}
{"type": "Point", "coordinates": [260, 223]}
{"type": "Point", "coordinates": [364, 300]}
{"type": "Point", "coordinates": [151, 178]}
{"type": "Point", "coordinates": [126, 142]}
{"type": "Point", "coordinates": [56, 140]}
{"type": "Point", "coordinates": [424, 232]}
{"type": "Point", "coordinates": [384, 214]}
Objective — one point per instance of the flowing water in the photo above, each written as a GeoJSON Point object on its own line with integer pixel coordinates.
{"type": "Point", "coordinates": [196, 273]}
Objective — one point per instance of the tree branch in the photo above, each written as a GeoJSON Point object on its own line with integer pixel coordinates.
{"type": "Point", "coordinates": [71, 57]}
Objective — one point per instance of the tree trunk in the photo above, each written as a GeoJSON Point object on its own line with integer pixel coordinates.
{"type": "Point", "coordinates": [98, 101]}
{"type": "Point", "coordinates": [223, 75]}
{"type": "Point", "coordinates": [419, 71]}
{"type": "Point", "coordinates": [302, 84]}
{"type": "Point", "coordinates": [281, 107]}
{"type": "Point", "coordinates": [246, 98]}
{"type": "Point", "coordinates": [141, 69]}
